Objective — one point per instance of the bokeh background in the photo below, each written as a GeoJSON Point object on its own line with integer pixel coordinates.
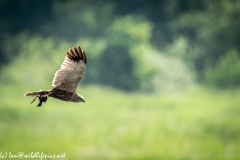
{"type": "Point", "coordinates": [162, 79]}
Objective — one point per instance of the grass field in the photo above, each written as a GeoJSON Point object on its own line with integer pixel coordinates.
{"type": "Point", "coordinates": [194, 125]}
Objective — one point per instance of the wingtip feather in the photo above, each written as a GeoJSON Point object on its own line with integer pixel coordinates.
{"type": "Point", "coordinates": [84, 57]}
{"type": "Point", "coordinates": [69, 56]}
{"type": "Point", "coordinates": [77, 54]}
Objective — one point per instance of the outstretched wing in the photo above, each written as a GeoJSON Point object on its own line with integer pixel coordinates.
{"type": "Point", "coordinates": [72, 70]}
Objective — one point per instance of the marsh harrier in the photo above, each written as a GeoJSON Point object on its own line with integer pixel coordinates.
{"type": "Point", "coordinates": [66, 79]}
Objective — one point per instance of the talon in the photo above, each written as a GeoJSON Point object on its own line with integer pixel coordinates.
{"type": "Point", "coordinates": [39, 104]}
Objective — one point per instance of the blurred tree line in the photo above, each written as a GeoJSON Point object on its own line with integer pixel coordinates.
{"type": "Point", "coordinates": [132, 45]}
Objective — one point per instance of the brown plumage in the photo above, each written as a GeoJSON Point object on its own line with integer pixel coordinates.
{"type": "Point", "coordinates": [66, 79]}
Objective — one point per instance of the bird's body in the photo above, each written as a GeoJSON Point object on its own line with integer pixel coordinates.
{"type": "Point", "coordinates": [66, 79]}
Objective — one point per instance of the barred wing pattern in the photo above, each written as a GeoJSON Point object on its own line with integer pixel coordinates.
{"type": "Point", "coordinates": [72, 70]}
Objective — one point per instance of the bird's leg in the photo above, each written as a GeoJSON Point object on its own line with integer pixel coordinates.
{"type": "Point", "coordinates": [42, 98]}
{"type": "Point", "coordinates": [40, 102]}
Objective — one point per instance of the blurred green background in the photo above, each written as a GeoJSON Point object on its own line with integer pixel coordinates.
{"type": "Point", "coordinates": [162, 79]}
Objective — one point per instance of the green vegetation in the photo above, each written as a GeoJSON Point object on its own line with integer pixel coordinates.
{"type": "Point", "coordinates": [196, 37]}
{"type": "Point", "coordinates": [198, 124]}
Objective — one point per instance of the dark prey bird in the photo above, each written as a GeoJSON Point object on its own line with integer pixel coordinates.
{"type": "Point", "coordinates": [66, 79]}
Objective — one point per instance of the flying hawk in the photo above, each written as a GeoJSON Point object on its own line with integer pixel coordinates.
{"type": "Point", "coordinates": [66, 79]}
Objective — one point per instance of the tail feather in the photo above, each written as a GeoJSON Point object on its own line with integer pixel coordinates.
{"type": "Point", "coordinates": [37, 93]}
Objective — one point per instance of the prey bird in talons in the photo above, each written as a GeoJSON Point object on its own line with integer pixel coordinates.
{"type": "Point", "coordinates": [66, 79]}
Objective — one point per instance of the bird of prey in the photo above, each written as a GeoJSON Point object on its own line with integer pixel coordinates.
{"type": "Point", "coordinates": [66, 79]}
